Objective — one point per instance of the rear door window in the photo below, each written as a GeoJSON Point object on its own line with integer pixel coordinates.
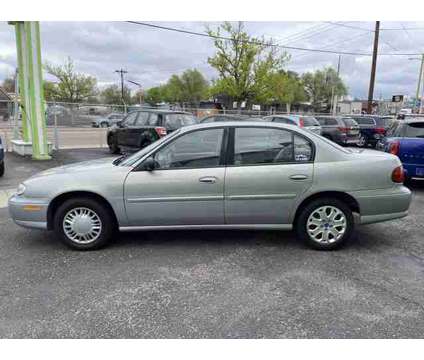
{"type": "Point", "coordinates": [254, 146]}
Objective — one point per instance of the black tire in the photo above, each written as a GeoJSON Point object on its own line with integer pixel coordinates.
{"type": "Point", "coordinates": [301, 223]}
{"type": "Point", "coordinates": [104, 124]}
{"type": "Point", "coordinates": [107, 221]}
{"type": "Point", "coordinates": [1, 168]}
{"type": "Point", "coordinates": [113, 146]}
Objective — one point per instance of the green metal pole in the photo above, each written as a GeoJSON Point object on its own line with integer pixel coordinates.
{"type": "Point", "coordinates": [40, 149]}
{"type": "Point", "coordinates": [23, 76]}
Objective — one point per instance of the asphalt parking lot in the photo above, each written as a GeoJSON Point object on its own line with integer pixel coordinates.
{"type": "Point", "coordinates": [210, 284]}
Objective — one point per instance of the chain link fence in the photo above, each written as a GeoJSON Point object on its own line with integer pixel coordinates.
{"type": "Point", "coordinates": [71, 125]}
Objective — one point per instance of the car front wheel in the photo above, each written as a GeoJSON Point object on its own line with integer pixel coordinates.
{"type": "Point", "coordinates": [83, 224]}
{"type": "Point", "coordinates": [325, 224]}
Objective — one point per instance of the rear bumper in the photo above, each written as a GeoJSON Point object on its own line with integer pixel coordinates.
{"type": "Point", "coordinates": [411, 170]}
{"type": "Point", "coordinates": [31, 213]}
{"type": "Point", "coordinates": [382, 204]}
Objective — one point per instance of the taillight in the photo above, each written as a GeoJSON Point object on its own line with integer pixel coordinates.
{"type": "Point", "coordinates": [394, 148]}
{"type": "Point", "coordinates": [344, 129]}
{"type": "Point", "coordinates": [301, 122]}
{"type": "Point", "coordinates": [161, 131]}
{"type": "Point", "coordinates": [398, 176]}
{"type": "Point", "coordinates": [381, 131]}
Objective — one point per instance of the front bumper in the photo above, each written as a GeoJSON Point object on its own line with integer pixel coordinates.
{"type": "Point", "coordinates": [382, 204]}
{"type": "Point", "coordinates": [26, 212]}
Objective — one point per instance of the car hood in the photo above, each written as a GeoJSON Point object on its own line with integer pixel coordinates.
{"type": "Point", "coordinates": [97, 165]}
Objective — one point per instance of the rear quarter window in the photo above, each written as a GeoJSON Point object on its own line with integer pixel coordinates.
{"type": "Point", "coordinates": [415, 129]}
{"type": "Point", "coordinates": [349, 122]}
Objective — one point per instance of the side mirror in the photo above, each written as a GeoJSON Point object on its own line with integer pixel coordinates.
{"type": "Point", "coordinates": [149, 164]}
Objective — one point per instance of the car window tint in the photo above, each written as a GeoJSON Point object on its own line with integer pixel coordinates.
{"type": "Point", "coordinates": [415, 129]}
{"type": "Point", "coordinates": [330, 121]}
{"type": "Point", "coordinates": [175, 121]}
{"type": "Point", "coordinates": [197, 149]}
{"type": "Point", "coordinates": [129, 120]}
{"type": "Point", "coordinates": [142, 118]}
{"type": "Point", "coordinates": [321, 121]}
{"type": "Point", "coordinates": [349, 122]}
{"type": "Point", "coordinates": [262, 146]}
{"type": "Point", "coordinates": [364, 121]}
{"type": "Point", "coordinates": [153, 119]}
{"type": "Point", "coordinates": [309, 121]}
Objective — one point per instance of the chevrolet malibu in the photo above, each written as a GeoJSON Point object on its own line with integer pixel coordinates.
{"type": "Point", "coordinates": [223, 175]}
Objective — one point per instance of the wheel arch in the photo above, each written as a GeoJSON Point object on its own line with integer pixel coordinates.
{"type": "Point", "coordinates": [61, 198]}
{"type": "Point", "coordinates": [349, 200]}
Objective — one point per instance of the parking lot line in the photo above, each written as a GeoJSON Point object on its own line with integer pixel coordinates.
{"type": "Point", "coordinates": [4, 196]}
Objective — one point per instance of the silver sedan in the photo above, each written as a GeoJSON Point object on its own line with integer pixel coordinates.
{"type": "Point", "coordinates": [227, 175]}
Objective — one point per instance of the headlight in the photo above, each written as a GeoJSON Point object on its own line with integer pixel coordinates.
{"type": "Point", "coordinates": [21, 189]}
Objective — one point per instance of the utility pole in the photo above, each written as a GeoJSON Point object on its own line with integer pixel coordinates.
{"type": "Point", "coordinates": [122, 72]}
{"type": "Point", "coordinates": [373, 67]}
{"type": "Point", "coordinates": [334, 97]}
{"type": "Point", "coordinates": [420, 76]}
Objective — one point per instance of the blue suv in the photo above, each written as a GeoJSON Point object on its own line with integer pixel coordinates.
{"type": "Point", "coordinates": [1, 158]}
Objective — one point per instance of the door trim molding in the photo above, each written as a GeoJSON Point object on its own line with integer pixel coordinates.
{"type": "Point", "coordinates": [261, 197]}
{"type": "Point", "coordinates": [175, 199]}
{"type": "Point", "coordinates": [209, 227]}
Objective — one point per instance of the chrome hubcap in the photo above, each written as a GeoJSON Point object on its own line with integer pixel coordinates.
{"type": "Point", "coordinates": [361, 141]}
{"type": "Point", "coordinates": [326, 224]}
{"type": "Point", "coordinates": [82, 225]}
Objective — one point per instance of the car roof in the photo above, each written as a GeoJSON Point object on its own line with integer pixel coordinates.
{"type": "Point", "coordinates": [164, 111]}
{"type": "Point", "coordinates": [243, 123]}
{"type": "Point", "coordinates": [411, 120]}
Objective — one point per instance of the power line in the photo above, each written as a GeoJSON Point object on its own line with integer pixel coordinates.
{"type": "Point", "coordinates": [349, 26]}
{"type": "Point", "coordinates": [262, 43]}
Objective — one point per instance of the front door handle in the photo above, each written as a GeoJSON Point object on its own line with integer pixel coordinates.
{"type": "Point", "coordinates": [298, 177]}
{"type": "Point", "coordinates": [208, 179]}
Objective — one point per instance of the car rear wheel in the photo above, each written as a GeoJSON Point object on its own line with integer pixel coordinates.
{"type": "Point", "coordinates": [83, 224]}
{"type": "Point", "coordinates": [362, 141]}
{"type": "Point", "coordinates": [325, 224]}
{"type": "Point", "coordinates": [1, 168]}
{"type": "Point", "coordinates": [104, 124]}
{"type": "Point", "coordinates": [113, 147]}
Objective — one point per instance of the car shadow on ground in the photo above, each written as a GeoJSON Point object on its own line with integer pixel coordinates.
{"type": "Point", "coordinates": [363, 238]}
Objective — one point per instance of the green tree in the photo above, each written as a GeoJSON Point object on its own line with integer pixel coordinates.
{"type": "Point", "coordinates": [319, 87]}
{"type": "Point", "coordinates": [156, 95]}
{"type": "Point", "coordinates": [71, 86]}
{"type": "Point", "coordinates": [286, 88]}
{"type": "Point", "coordinates": [244, 63]}
{"type": "Point", "coordinates": [194, 87]}
{"type": "Point", "coordinates": [8, 85]}
{"type": "Point", "coordinates": [112, 95]}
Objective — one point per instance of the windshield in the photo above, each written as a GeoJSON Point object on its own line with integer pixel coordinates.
{"type": "Point", "coordinates": [415, 129]}
{"type": "Point", "coordinates": [132, 159]}
{"type": "Point", "coordinates": [175, 121]}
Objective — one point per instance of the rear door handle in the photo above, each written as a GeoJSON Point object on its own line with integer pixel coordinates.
{"type": "Point", "coordinates": [298, 177]}
{"type": "Point", "coordinates": [208, 179]}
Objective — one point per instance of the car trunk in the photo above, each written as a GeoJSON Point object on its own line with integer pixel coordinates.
{"type": "Point", "coordinates": [411, 151]}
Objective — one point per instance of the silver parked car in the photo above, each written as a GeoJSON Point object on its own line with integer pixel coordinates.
{"type": "Point", "coordinates": [223, 175]}
{"type": "Point", "coordinates": [306, 122]}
